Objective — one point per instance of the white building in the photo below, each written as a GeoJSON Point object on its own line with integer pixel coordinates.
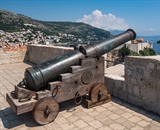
{"type": "Point", "coordinates": [137, 45]}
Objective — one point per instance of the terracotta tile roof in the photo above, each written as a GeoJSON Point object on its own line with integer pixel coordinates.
{"type": "Point", "coordinates": [14, 48]}
{"type": "Point", "coordinates": [135, 41]}
{"type": "Point", "coordinates": [140, 39]}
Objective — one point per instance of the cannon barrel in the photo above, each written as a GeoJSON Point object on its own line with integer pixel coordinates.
{"type": "Point", "coordinates": [38, 76]}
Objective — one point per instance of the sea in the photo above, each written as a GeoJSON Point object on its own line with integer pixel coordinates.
{"type": "Point", "coordinates": [153, 40]}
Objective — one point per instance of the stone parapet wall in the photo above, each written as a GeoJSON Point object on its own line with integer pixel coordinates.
{"type": "Point", "coordinates": [141, 83]}
{"type": "Point", "coordinates": [33, 53]}
{"type": "Point", "coordinates": [114, 80]}
{"type": "Point", "coordinates": [40, 53]}
{"type": "Point", "coordinates": [142, 79]}
{"type": "Point", "coordinates": [116, 85]}
{"type": "Point", "coordinates": [12, 56]}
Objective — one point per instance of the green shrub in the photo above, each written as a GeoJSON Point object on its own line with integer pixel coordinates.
{"type": "Point", "coordinates": [124, 51]}
{"type": "Point", "coordinates": [135, 54]}
{"type": "Point", "coordinates": [147, 52]}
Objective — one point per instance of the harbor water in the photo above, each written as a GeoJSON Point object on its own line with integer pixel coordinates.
{"type": "Point", "coordinates": [153, 40]}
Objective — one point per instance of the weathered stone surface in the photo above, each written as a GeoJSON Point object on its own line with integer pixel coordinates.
{"type": "Point", "coordinates": [41, 53]}
{"type": "Point", "coordinates": [141, 85]}
{"type": "Point", "coordinates": [145, 76]}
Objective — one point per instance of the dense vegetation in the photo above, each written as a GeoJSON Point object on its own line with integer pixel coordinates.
{"type": "Point", "coordinates": [145, 52]}
{"type": "Point", "coordinates": [77, 29]}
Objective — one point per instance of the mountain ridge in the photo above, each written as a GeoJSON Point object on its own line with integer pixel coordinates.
{"type": "Point", "coordinates": [11, 22]}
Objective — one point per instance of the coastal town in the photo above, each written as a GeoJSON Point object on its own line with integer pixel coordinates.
{"type": "Point", "coordinates": [15, 41]}
{"type": "Point", "coordinates": [28, 37]}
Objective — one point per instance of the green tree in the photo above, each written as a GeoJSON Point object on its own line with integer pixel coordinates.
{"type": "Point", "coordinates": [124, 51]}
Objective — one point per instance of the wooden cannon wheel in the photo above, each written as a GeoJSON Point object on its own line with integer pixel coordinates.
{"type": "Point", "coordinates": [45, 111]}
{"type": "Point", "coordinates": [98, 92]}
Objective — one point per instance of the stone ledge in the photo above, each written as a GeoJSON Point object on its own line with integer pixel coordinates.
{"type": "Point", "coordinates": [115, 84]}
{"type": "Point", "coordinates": [116, 70]}
{"type": "Point", "coordinates": [40, 53]}
{"type": "Point", "coordinates": [141, 83]}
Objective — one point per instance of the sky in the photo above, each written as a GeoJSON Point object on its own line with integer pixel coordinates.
{"type": "Point", "coordinates": [141, 15]}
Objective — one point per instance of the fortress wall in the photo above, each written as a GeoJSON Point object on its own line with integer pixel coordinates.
{"type": "Point", "coordinates": [33, 53]}
{"type": "Point", "coordinates": [12, 55]}
{"type": "Point", "coordinates": [141, 83]}
{"type": "Point", "coordinates": [116, 85]}
{"type": "Point", "coordinates": [40, 53]}
{"type": "Point", "coordinates": [142, 79]}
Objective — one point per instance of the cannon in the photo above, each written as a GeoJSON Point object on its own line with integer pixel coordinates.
{"type": "Point", "coordinates": [73, 75]}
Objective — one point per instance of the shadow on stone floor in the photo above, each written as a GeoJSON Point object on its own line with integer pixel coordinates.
{"type": "Point", "coordinates": [10, 120]}
{"type": "Point", "coordinates": [137, 109]}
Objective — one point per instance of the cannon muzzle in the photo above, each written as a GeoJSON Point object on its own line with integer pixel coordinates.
{"type": "Point", "coordinates": [38, 76]}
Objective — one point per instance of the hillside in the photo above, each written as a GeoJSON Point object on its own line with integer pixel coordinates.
{"type": "Point", "coordinates": [11, 22]}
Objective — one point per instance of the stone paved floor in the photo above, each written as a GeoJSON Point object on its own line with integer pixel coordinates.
{"type": "Point", "coordinates": [115, 115]}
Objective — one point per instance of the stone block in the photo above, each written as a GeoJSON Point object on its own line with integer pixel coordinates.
{"type": "Point", "coordinates": [139, 81]}
{"type": "Point", "coordinates": [6, 61]}
{"type": "Point", "coordinates": [149, 105]}
{"type": "Point", "coordinates": [58, 51]}
{"type": "Point", "coordinates": [41, 53]}
{"type": "Point", "coordinates": [156, 108]}
{"type": "Point", "coordinates": [150, 67]}
{"type": "Point", "coordinates": [109, 82]}
{"type": "Point", "coordinates": [122, 95]}
{"type": "Point", "coordinates": [149, 91]}
{"type": "Point", "coordinates": [114, 91]}
{"type": "Point", "coordinates": [136, 91]}
{"type": "Point", "coordinates": [95, 124]}
{"type": "Point", "coordinates": [124, 88]}
{"type": "Point", "coordinates": [135, 100]}
{"type": "Point", "coordinates": [116, 126]}
{"type": "Point", "coordinates": [119, 84]}
{"type": "Point", "coordinates": [114, 83]}
{"type": "Point", "coordinates": [158, 90]}
{"type": "Point", "coordinates": [129, 87]}
{"type": "Point", "coordinates": [80, 124]}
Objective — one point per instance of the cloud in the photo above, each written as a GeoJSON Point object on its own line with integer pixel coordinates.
{"type": "Point", "coordinates": [103, 21]}
{"type": "Point", "coordinates": [150, 29]}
